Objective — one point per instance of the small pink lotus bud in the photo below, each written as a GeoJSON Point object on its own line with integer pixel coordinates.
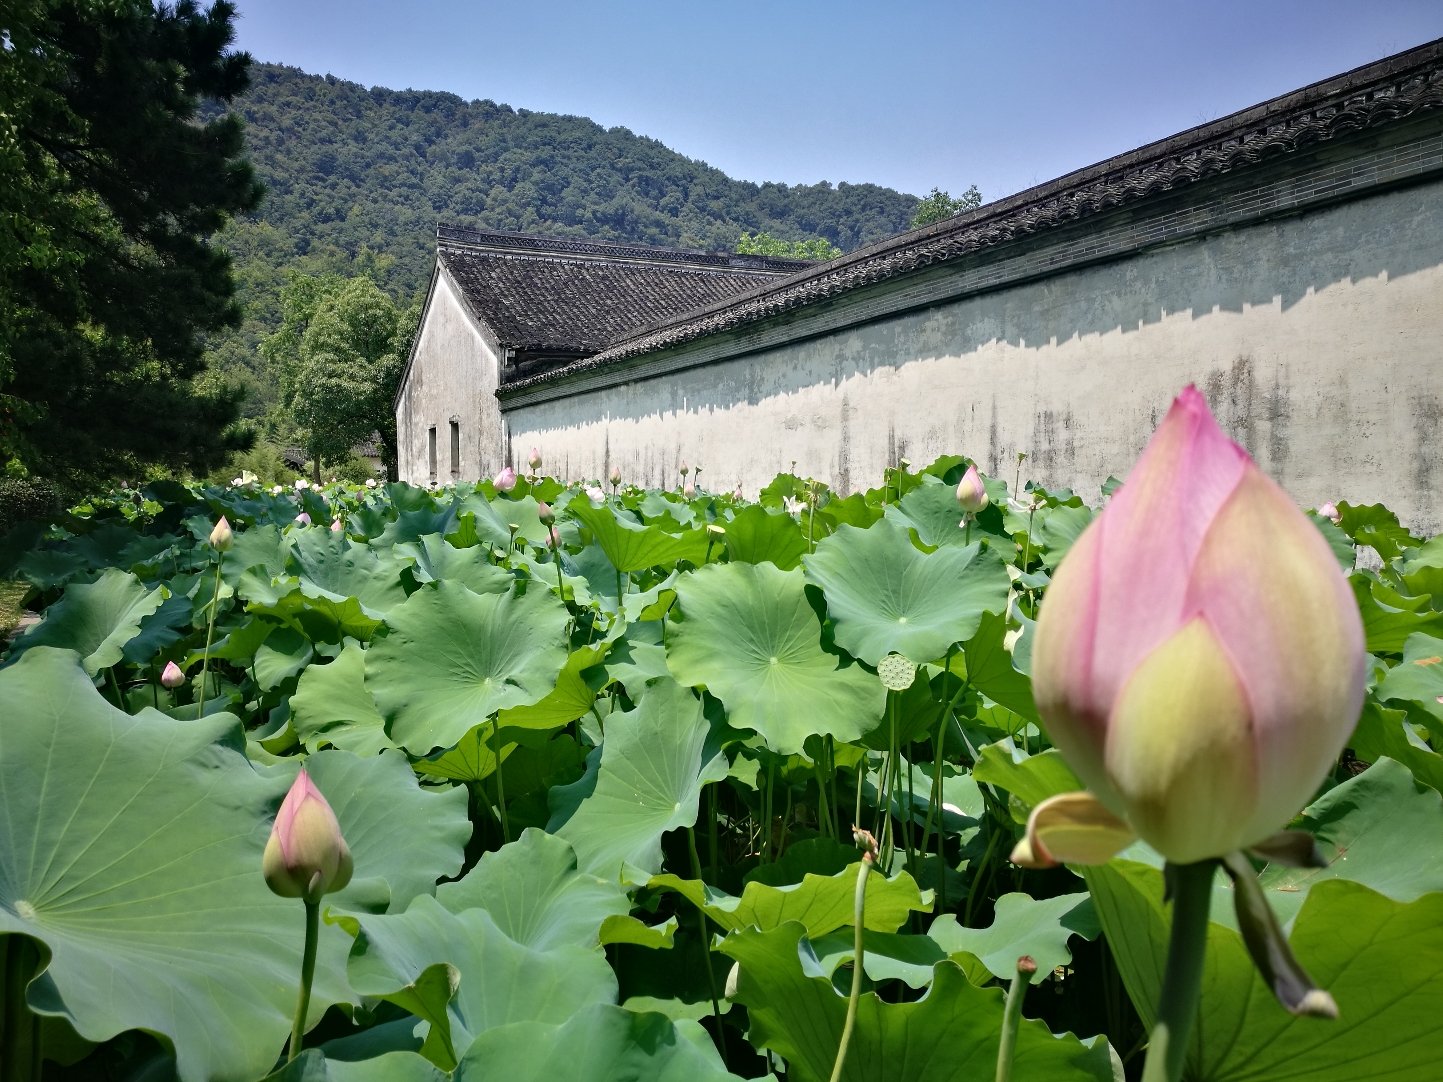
{"type": "Point", "coordinates": [221, 537]}
{"type": "Point", "coordinates": [689, 491]}
{"type": "Point", "coordinates": [306, 857]}
{"type": "Point", "coordinates": [615, 476]}
{"type": "Point", "coordinates": [504, 481]}
{"type": "Point", "coordinates": [1330, 512]}
{"type": "Point", "coordinates": [336, 526]}
{"type": "Point", "coordinates": [554, 537]}
{"type": "Point", "coordinates": [737, 492]}
{"type": "Point", "coordinates": [1198, 657]}
{"type": "Point", "coordinates": [971, 494]}
{"type": "Point", "coordinates": [685, 469]}
{"type": "Point", "coordinates": [544, 513]}
{"type": "Point", "coordinates": [303, 519]}
{"type": "Point", "coordinates": [596, 494]}
{"type": "Point", "coordinates": [171, 676]}
{"type": "Point", "coordinates": [534, 459]}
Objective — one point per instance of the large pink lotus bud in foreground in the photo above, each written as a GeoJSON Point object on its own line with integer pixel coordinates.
{"type": "Point", "coordinates": [504, 481]}
{"type": "Point", "coordinates": [971, 495]}
{"type": "Point", "coordinates": [1199, 658]}
{"type": "Point", "coordinates": [306, 856]}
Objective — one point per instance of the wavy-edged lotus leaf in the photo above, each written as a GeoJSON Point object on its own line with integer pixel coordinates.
{"type": "Point", "coordinates": [1022, 925]}
{"type": "Point", "coordinates": [646, 781]}
{"type": "Point", "coordinates": [1389, 617]}
{"type": "Point", "coordinates": [602, 1043]}
{"type": "Point", "coordinates": [453, 658]}
{"type": "Point", "coordinates": [630, 546]}
{"type": "Point", "coordinates": [1030, 779]}
{"type": "Point", "coordinates": [990, 668]}
{"type": "Point", "coordinates": [437, 560]}
{"type": "Point", "coordinates": [321, 619]}
{"type": "Point", "coordinates": [949, 1035]}
{"type": "Point", "coordinates": [887, 596]}
{"type": "Point", "coordinates": [755, 535]}
{"type": "Point", "coordinates": [313, 1065]}
{"type": "Point", "coordinates": [931, 510]}
{"type": "Point", "coordinates": [331, 565]}
{"type": "Point", "coordinates": [1351, 940]}
{"type": "Point", "coordinates": [95, 619]}
{"type": "Point", "coordinates": [576, 687]}
{"type": "Point", "coordinates": [492, 520]}
{"type": "Point", "coordinates": [134, 858]}
{"type": "Point", "coordinates": [1418, 680]}
{"type": "Point", "coordinates": [747, 633]}
{"type": "Point", "coordinates": [536, 894]}
{"type": "Point", "coordinates": [497, 980]}
{"type": "Point", "coordinates": [332, 705]}
{"type": "Point", "coordinates": [1387, 734]}
{"type": "Point", "coordinates": [820, 904]}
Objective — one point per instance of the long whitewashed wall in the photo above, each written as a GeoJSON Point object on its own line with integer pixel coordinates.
{"type": "Point", "coordinates": [453, 374]}
{"type": "Point", "coordinates": [1317, 339]}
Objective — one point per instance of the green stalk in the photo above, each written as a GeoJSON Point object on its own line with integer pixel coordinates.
{"type": "Point", "coordinates": [115, 687]}
{"type": "Point", "coordinates": [209, 634]}
{"type": "Point", "coordinates": [713, 829]}
{"type": "Point", "coordinates": [967, 530]}
{"type": "Point", "coordinates": [859, 905]}
{"type": "Point", "coordinates": [1012, 1016]}
{"type": "Point", "coordinates": [19, 1026]}
{"type": "Point", "coordinates": [500, 781]}
{"type": "Point", "coordinates": [1182, 979]}
{"type": "Point", "coordinates": [824, 812]}
{"type": "Point", "coordinates": [767, 807]}
{"type": "Point", "coordinates": [308, 975]}
{"type": "Point", "coordinates": [705, 937]}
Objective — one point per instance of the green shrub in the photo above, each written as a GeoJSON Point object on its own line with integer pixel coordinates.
{"type": "Point", "coordinates": [28, 499]}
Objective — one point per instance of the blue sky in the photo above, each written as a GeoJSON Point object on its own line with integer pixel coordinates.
{"type": "Point", "coordinates": [906, 94]}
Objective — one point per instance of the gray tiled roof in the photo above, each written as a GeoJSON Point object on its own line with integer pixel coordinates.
{"type": "Point", "coordinates": [540, 293]}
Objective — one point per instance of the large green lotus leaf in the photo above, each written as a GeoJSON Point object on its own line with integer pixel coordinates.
{"type": "Point", "coordinates": [755, 535]}
{"type": "Point", "coordinates": [331, 565]}
{"type": "Point", "coordinates": [1022, 925]}
{"type": "Point", "coordinates": [888, 597]}
{"type": "Point", "coordinates": [1383, 733]}
{"type": "Point", "coordinates": [1390, 618]}
{"type": "Point", "coordinates": [495, 980]}
{"type": "Point", "coordinates": [932, 511]}
{"type": "Point", "coordinates": [536, 894]}
{"type": "Point", "coordinates": [416, 520]}
{"type": "Point", "coordinates": [638, 657]}
{"type": "Point", "coordinates": [820, 904]}
{"type": "Point", "coordinates": [575, 691]}
{"type": "Point", "coordinates": [49, 568]}
{"type": "Point", "coordinates": [747, 633]}
{"type": "Point", "coordinates": [602, 1043]}
{"type": "Point", "coordinates": [1030, 779]}
{"type": "Point", "coordinates": [312, 1065]}
{"type": "Point", "coordinates": [1378, 958]}
{"type": "Point", "coordinates": [258, 547]}
{"type": "Point", "coordinates": [159, 631]}
{"type": "Point", "coordinates": [454, 657]}
{"type": "Point", "coordinates": [1374, 525]}
{"type": "Point", "coordinates": [133, 855]}
{"type": "Point", "coordinates": [991, 671]}
{"type": "Point", "coordinates": [492, 520]}
{"type": "Point", "coordinates": [95, 619]}
{"type": "Point", "coordinates": [332, 706]}
{"type": "Point", "coordinates": [437, 560]}
{"type": "Point", "coordinates": [949, 1035]}
{"type": "Point", "coordinates": [281, 657]}
{"type": "Point", "coordinates": [631, 546]}
{"type": "Point", "coordinates": [1418, 679]}
{"type": "Point", "coordinates": [321, 619]}
{"type": "Point", "coordinates": [403, 838]}
{"type": "Point", "coordinates": [472, 758]}
{"type": "Point", "coordinates": [659, 507]}
{"type": "Point", "coordinates": [648, 780]}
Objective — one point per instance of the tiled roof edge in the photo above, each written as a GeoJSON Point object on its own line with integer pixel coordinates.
{"type": "Point", "coordinates": [540, 244]}
{"type": "Point", "coordinates": [1369, 96]}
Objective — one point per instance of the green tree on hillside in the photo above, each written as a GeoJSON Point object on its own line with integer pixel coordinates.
{"type": "Point", "coordinates": [337, 360]}
{"type": "Point", "coordinates": [762, 243]}
{"type": "Point", "coordinates": [939, 205]}
{"type": "Point", "coordinates": [109, 282]}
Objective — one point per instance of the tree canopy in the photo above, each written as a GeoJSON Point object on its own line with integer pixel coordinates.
{"type": "Point", "coordinates": [109, 278]}
{"type": "Point", "coordinates": [939, 205]}
{"type": "Point", "coordinates": [818, 248]}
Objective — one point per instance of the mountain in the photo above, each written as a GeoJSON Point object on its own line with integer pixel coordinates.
{"type": "Point", "coordinates": [357, 179]}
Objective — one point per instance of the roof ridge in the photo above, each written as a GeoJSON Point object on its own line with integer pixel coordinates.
{"type": "Point", "coordinates": [499, 240]}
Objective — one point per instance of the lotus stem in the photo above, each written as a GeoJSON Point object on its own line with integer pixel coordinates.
{"type": "Point", "coordinates": [859, 908]}
{"type": "Point", "coordinates": [705, 936]}
{"type": "Point", "coordinates": [1191, 887]}
{"type": "Point", "coordinates": [209, 635]}
{"type": "Point", "coordinates": [1012, 1016]}
{"type": "Point", "coordinates": [500, 780]}
{"type": "Point", "coordinates": [308, 975]}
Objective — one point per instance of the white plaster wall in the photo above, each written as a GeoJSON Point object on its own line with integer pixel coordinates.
{"type": "Point", "coordinates": [1318, 340]}
{"type": "Point", "coordinates": [454, 373]}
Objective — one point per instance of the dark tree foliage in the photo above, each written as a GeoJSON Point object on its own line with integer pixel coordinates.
{"type": "Point", "coordinates": [939, 205]}
{"type": "Point", "coordinates": [357, 180]}
{"type": "Point", "coordinates": [109, 277]}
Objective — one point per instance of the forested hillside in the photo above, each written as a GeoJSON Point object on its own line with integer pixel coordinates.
{"type": "Point", "coordinates": [358, 178]}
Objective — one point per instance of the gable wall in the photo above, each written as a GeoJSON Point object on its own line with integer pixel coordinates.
{"type": "Point", "coordinates": [1317, 338]}
{"type": "Point", "coordinates": [453, 373]}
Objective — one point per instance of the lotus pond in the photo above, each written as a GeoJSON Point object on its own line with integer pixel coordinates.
{"type": "Point", "coordinates": [599, 789]}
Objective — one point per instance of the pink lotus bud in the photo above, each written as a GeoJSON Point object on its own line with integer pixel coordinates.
{"type": "Point", "coordinates": [303, 519]}
{"type": "Point", "coordinates": [554, 537]}
{"type": "Point", "coordinates": [737, 492]}
{"type": "Point", "coordinates": [971, 495]}
{"type": "Point", "coordinates": [615, 476]}
{"type": "Point", "coordinates": [1199, 656]}
{"type": "Point", "coordinates": [544, 513]}
{"type": "Point", "coordinates": [534, 458]}
{"type": "Point", "coordinates": [171, 676]}
{"type": "Point", "coordinates": [336, 526]}
{"type": "Point", "coordinates": [596, 494]}
{"type": "Point", "coordinates": [306, 857]}
{"type": "Point", "coordinates": [685, 469]}
{"type": "Point", "coordinates": [689, 491]}
{"type": "Point", "coordinates": [1330, 512]}
{"type": "Point", "coordinates": [221, 537]}
{"type": "Point", "coordinates": [504, 481]}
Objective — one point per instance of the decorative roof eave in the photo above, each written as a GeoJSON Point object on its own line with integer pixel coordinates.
{"type": "Point", "coordinates": [1367, 97]}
